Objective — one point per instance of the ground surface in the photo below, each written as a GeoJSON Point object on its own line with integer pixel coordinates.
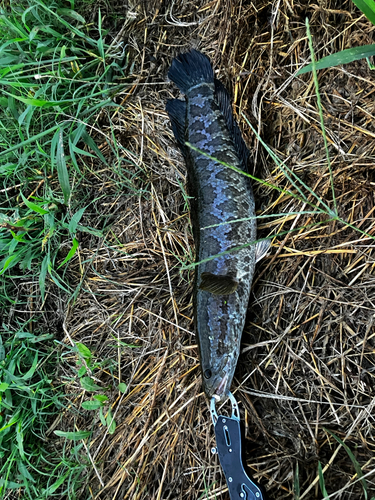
{"type": "Point", "coordinates": [307, 364]}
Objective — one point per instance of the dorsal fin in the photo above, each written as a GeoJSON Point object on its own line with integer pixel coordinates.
{"type": "Point", "coordinates": [223, 100]}
{"type": "Point", "coordinates": [218, 285]}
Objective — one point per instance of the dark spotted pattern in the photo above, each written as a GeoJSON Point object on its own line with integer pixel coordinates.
{"type": "Point", "coordinates": [222, 195]}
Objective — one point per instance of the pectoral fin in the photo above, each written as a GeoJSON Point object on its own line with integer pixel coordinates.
{"type": "Point", "coordinates": [218, 285]}
{"type": "Point", "coordinates": [261, 249]}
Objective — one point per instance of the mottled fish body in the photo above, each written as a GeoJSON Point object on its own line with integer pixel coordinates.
{"type": "Point", "coordinates": [221, 199]}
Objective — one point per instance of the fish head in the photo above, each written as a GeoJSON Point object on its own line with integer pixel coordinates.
{"type": "Point", "coordinates": [219, 323]}
{"type": "Point", "coordinates": [217, 380]}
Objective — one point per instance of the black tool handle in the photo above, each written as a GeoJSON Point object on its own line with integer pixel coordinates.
{"type": "Point", "coordinates": [228, 441]}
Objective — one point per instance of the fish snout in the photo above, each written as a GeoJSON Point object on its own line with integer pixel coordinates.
{"type": "Point", "coordinates": [216, 385]}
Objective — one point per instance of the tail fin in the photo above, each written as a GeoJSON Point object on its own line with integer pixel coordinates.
{"type": "Point", "coordinates": [190, 69]}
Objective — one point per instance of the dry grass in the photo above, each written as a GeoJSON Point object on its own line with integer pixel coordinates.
{"type": "Point", "coordinates": [307, 361]}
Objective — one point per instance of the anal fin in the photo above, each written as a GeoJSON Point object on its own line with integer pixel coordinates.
{"type": "Point", "coordinates": [176, 110]}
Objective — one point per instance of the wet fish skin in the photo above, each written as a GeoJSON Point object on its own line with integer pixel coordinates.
{"type": "Point", "coordinates": [220, 196]}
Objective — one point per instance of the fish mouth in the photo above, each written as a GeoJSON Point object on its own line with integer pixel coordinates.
{"type": "Point", "coordinates": [221, 390]}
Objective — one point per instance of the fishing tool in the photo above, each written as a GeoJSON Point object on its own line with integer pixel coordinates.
{"type": "Point", "coordinates": [229, 449]}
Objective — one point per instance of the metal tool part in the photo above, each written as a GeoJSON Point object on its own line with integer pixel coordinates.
{"type": "Point", "coordinates": [228, 441]}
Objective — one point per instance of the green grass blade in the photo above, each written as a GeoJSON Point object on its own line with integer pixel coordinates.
{"type": "Point", "coordinates": [296, 486]}
{"type": "Point", "coordinates": [357, 467]}
{"type": "Point", "coordinates": [315, 76]}
{"type": "Point", "coordinates": [19, 437]}
{"type": "Point", "coordinates": [55, 279]}
{"type": "Point", "coordinates": [71, 13]}
{"type": "Point", "coordinates": [29, 141]}
{"type": "Point", "coordinates": [111, 423]}
{"type": "Point", "coordinates": [51, 489]}
{"type": "Point", "coordinates": [100, 39]}
{"type": "Point", "coordinates": [11, 422]}
{"type": "Point", "coordinates": [32, 369]}
{"type": "Point", "coordinates": [74, 436]}
{"type": "Point", "coordinates": [301, 198]}
{"type": "Point", "coordinates": [368, 8]}
{"type": "Point", "coordinates": [322, 482]}
{"type": "Point", "coordinates": [344, 57]}
{"type": "Point", "coordinates": [42, 275]}
{"type": "Point", "coordinates": [71, 253]}
{"type": "Point", "coordinates": [256, 179]}
{"type": "Point", "coordinates": [235, 249]}
{"type": "Point", "coordinates": [42, 103]}
{"type": "Point", "coordinates": [10, 262]}
{"type": "Point", "coordinates": [62, 170]}
{"type": "Point", "coordinates": [33, 206]}
{"type": "Point", "coordinates": [75, 220]}
{"type": "Point", "coordinates": [92, 144]}
{"type": "Point", "coordinates": [75, 30]}
{"type": "Point", "coordinates": [288, 173]}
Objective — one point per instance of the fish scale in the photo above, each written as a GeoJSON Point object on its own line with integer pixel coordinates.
{"type": "Point", "coordinates": [220, 195]}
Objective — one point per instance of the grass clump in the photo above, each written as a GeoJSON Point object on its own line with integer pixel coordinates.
{"type": "Point", "coordinates": [54, 79]}
{"type": "Point", "coordinates": [57, 75]}
{"type": "Point", "coordinates": [29, 401]}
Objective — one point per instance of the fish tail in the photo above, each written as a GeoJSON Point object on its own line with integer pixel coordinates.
{"type": "Point", "coordinates": [190, 69]}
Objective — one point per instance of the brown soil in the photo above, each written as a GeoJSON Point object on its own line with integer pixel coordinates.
{"type": "Point", "coordinates": [307, 365]}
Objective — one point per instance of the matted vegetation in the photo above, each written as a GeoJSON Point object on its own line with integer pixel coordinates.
{"type": "Point", "coordinates": [115, 401]}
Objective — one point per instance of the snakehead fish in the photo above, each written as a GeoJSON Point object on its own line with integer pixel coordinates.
{"type": "Point", "coordinates": [221, 199]}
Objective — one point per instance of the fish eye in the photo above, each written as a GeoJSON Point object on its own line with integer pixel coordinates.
{"type": "Point", "coordinates": [207, 374]}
